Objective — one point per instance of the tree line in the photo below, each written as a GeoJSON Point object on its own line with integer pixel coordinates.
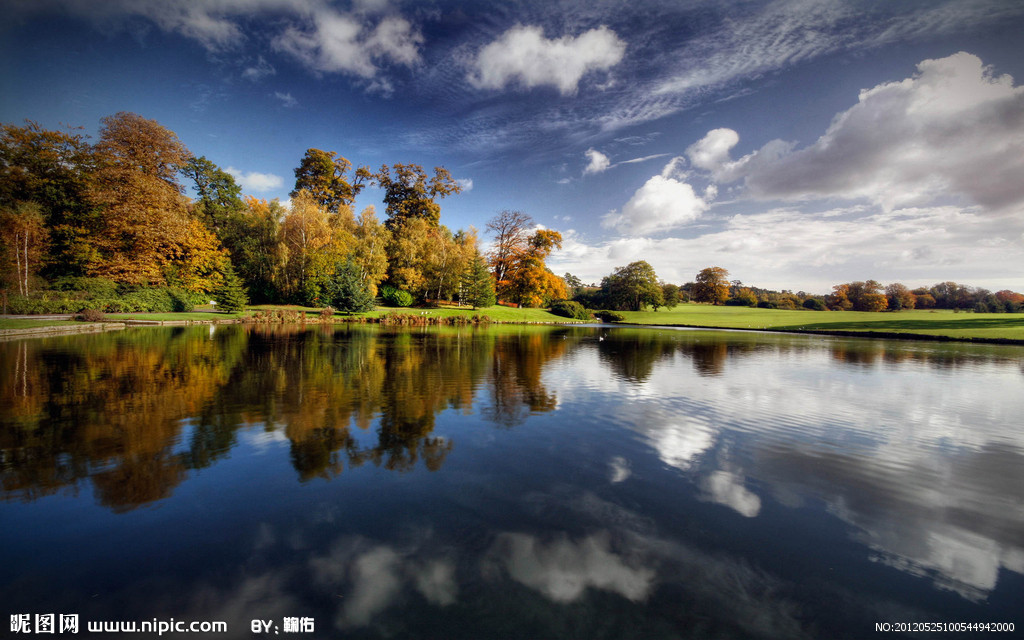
{"type": "Point", "coordinates": [636, 286]}
{"type": "Point", "coordinates": [110, 223]}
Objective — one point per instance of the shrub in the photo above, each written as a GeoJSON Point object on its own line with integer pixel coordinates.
{"type": "Point", "coordinates": [570, 309]}
{"type": "Point", "coordinates": [91, 315]}
{"type": "Point", "coordinates": [609, 316]}
{"type": "Point", "coordinates": [326, 314]}
{"type": "Point", "coordinates": [814, 304]}
{"type": "Point", "coordinates": [91, 287]}
{"type": "Point", "coordinates": [395, 297]}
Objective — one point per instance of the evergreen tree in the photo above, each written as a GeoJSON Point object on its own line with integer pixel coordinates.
{"type": "Point", "coordinates": [347, 291]}
{"type": "Point", "coordinates": [230, 296]}
{"type": "Point", "coordinates": [477, 284]}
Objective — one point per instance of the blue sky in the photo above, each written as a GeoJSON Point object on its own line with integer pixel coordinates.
{"type": "Point", "coordinates": [798, 144]}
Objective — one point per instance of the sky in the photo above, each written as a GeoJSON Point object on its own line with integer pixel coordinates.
{"type": "Point", "coordinates": [796, 143]}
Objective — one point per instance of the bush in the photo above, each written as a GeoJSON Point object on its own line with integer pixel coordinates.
{"type": "Point", "coordinates": [326, 314]}
{"type": "Point", "coordinates": [92, 287]}
{"type": "Point", "coordinates": [570, 309]}
{"type": "Point", "coordinates": [90, 315]}
{"type": "Point", "coordinates": [814, 304]}
{"type": "Point", "coordinates": [393, 297]}
{"type": "Point", "coordinates": [609, 316]}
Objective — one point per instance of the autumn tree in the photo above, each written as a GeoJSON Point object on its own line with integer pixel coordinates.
{"type": "Point", "coordinates": [528, 282]}
{"type": "Point", "coordinates": [325, 175]}
{"type": "Point", "coordinates": [145, 222]}
{"type": "Point", "coordinates": [23, 237]}
{"type": "Point", "coordinates": [839, 299]}
{"type": "Point", "coordinates": [409, 193]}
{"type": "Point", "coordinates": [257, 252]}
{"type": "Point", "coordinates": [53, 169]}
{"type": "Point", "coordinates": [313, 246]}
{"type": "Point", "coordinates": [511, 229]}
{"type": "Point", "coordinates": [899, 297]}
{"type": "Point", "coordinates": [633, 287]}
{"type": "Point", "coordinates": [711, 285]}
{"type": "Point", "coordinates": [369, 252]}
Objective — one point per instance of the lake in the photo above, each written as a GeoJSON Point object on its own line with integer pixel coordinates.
{"type": "Point", "coordinates": [511, 482]}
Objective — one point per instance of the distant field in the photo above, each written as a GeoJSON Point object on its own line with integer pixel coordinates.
{"type": "Point", "coordinates": [933, 323]}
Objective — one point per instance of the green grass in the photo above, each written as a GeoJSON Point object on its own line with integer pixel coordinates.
{"type": "Point", "coordinates": [920, 322]}
{"type": "Point", "coordinates": [18, 323]}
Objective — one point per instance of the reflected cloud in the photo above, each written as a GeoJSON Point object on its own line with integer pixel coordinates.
{"type": "Point", "coordinates": [680, 443]}
{"type": "Point", "coordinates": [619, 470]}
{"type": "Point", "coordinates": [562, 569]}
{"type": "Point", "coordinates": [727, 489]}
{"type": "Point", "coordinates": [374, 576]}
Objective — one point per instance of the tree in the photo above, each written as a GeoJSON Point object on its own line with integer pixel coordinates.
{"type": "Point", "coordinates": [511, 231]}
{"type": "Point", "coordinates": [899, 297]}
{"type": "Point", "coordinates": [370, 249]}
{"type": "Point", "coordinates": [839, 299]}
{"type": "Point", "coordinates": [23, 236]}
{"type": "Point", "coordinates": [528, 282]}
{"type": "Point", "coordinates": [477, 283]}
{"type": "Point", "coordinates": [711, 285]}
{"type": "Point", "coordinates": [218, 195]}
{"type": "Point", "coordinates": [144, 214]}
{"type": "Point", "coordinates": [671, 295]}
{"type": "Point", "coordinates": [632, 287]}
{"type": "Point", "coordinates": [313, 245]}
{"type": "Point", "coordinates": [573, 285]}
{"type": "Point", "coordinates": [743, 297]}
{"type": "Point", "coordinates": [324, 174]}
{"type": "Point", "coordinates": [254, 240]}
{"type": "Point", "coordinates": [346, 290]}
{"type": "Point", "coordinates": [409, 193]}
{"type": "Point", "coordinates": [230, 296]}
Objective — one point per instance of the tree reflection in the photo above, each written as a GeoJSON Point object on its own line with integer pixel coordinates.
{"type": "Point", "coordinates": [133, 413]}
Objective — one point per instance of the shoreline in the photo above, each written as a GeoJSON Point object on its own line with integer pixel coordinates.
{"type": "Point", "coordinates": [98, 327]}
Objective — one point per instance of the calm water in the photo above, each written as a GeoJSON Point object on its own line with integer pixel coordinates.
{"type": "Point", "coordinates": [516, 482]}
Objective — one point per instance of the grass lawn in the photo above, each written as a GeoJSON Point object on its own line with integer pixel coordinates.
{"type": "Point", "coordinates": [940, 322]}
{"type": "Point", "coordinates": [19, 323]}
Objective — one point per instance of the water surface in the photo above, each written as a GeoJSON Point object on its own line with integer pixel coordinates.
{"type": "Point", "coordinates": [512, 482]}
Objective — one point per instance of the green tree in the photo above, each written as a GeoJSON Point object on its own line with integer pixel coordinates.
{"type": "Point", "coordinates": [573, 285]}
{"type": "Point", "coordinates": [632, 287]}
{"type": "Point", "coordinates": [218, 195]}
{"type": "Point", "coordinates": [230, 295]}
{"type": "Point", "coordinates": [409, 193]}
{"type": "Point", "coordinates": [347, 291]}
{"type": "Point", "coordinates": [325, 175]}
{"type": "Point", "coordinates": [711, 285]}
{"type": "Point", "coordinates": [670, 294]}
{"type": "Point", "coordinates": [477, 283]}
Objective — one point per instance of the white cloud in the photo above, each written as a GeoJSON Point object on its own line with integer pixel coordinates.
{"type": "Point", "coordinates": [286, 99]}
{"type": "Point", "coordinates": [598, 162]}
{"type": "Point", "coordinates": [255, 181]}
{"type": "Point", "coordinates": [664, 202]}
{"type": "Point", "coordinates": [953, 129]}
{"type": "Point", "coordinates": [465, 183]}
{"type": "Point", "coordinates": [790, 248]}
{"type": "Point", "coordinates": [727, 489]}
{"type": "Point", "coordinates": [318, 35]}
{"type": "Point", "coordinates": [261, 69]}
{"type": "Point", "coordinates": [523, 54]}
{"type": "Point", "coordinates": [341, 43]}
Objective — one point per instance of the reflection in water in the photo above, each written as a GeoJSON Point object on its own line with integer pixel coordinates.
{"type": "Point", "coordinates": [515, 482]}
{"type": "Point", "coordinates": [132, 412]}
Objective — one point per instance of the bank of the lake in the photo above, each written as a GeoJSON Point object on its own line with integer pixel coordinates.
{"type": "Point", "coordinates": [942, 324]}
